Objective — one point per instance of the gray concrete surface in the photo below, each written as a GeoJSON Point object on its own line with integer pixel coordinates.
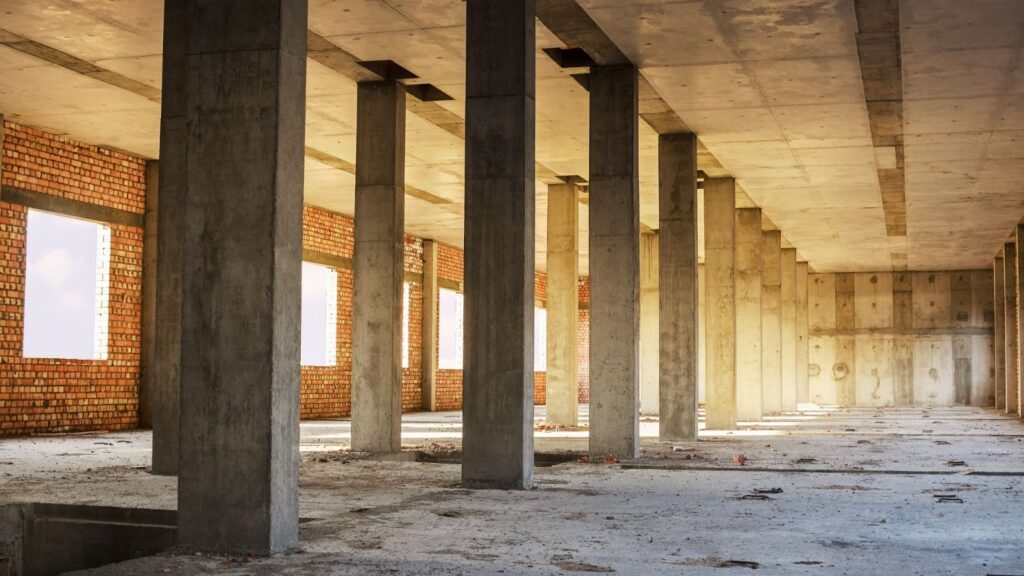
{"type": "Point", "coordinates": [678, 307]}
{"type": "Point", "coordinates": [379, 260]}
{"type": "Point", "coordinates": [563, 304]}
{"type": "Point", "coordinates": [789, 392]}
{"type": "Point", "coordinates": [499, 256]}
{"type": "Point", "coordinates": [615, 266]}
{"type": "Point", "coordinates": [1018, 286]}
{"type": "Point", "coordinates": [999, 334]}
{"type": "Point", "coordinates": [720, 306]}
{"type": "Point", "coordinates": [771, 323]}
{"type": "Point", "coordinates": [860, 495]}
{"type": "Point", "coordinates": [1011, 335]}
{"type": "Point", "coordinates": [803, 388]}
{"type": "Point", "coordinates": [239, 422]}
{"type": "Point", "coordinates": [748, 271]}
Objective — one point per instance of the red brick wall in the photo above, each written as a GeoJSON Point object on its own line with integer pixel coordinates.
{"type": "Point", "coordinates": [58, 395]}
{"type": "Point", "coordinates": [326, 391]}
{"type": "Point", "coordinates": [583, 344]}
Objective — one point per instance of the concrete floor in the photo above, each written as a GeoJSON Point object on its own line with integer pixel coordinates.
{"type": "Point", "coordinates": [860, 495]}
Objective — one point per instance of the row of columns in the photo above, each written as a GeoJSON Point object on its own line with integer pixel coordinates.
{"type": "Point", "coordinates": [1008, 280]}
{"type": "Point", "coordinates": [232, 137]}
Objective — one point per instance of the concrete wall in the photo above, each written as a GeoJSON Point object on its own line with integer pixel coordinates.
{"type": "Point", "coordinates": [901, 339]}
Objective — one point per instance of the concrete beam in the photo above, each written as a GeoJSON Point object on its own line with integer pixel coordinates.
{"type": "Point", "coordinates": [748, 314]}
{"type": "Point", "coordinates": [428, 330]}
{"type": "Point", "coordinates": [499, 240]}
{"type": "Point", "coordinates": [563, 304]}
{"type": "Point", "coordinates": [678, 292]}
{"type": "Point", "coordinates": [999, 330]}
{"type": "Point", "coordinates": [1012, 336]}
{"type": "Point", "coordinates": [243, 139]}
{"type": "Point", "coordinates": [614, 262]}
{"type": "Point", "coordinates": [148, 376]}
{"type": "Point", "coordinates": [378, 265]}
{"type": "Point", "coordinates": [803, 386]}
{"type": "Point", "coordinates": [649, 349]}
{"type": "Point", "coordinates": [1018, 283]}
{"type": "Point", "coordinates": [789, 339]}
{"type": "Point", "coordinates": [771, 322]}
{"type": "Point", "coordinates": [720, 287]}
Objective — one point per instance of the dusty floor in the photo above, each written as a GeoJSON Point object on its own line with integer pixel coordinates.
{"type": "Point", "coordinates": [895, 491]}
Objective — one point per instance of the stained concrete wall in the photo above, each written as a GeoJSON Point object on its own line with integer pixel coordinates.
{"type": "Point", "coordinates": [901, 339]}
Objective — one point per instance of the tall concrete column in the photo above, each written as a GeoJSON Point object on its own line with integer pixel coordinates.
{"type": "Point", "coordinates": [803, 384]}
{"type": "Point", "coordinates": [377, 268]}
{"type": "Point", "coordinates": [649, 349]}
{"type": "Point", "coordinates": [164, 380]}
{"type": "Point", "coordinates": [720, 288]}
{"type": "Point", "coordinates": [1012, 337]}
{"type": "Point", "coordinates": [999, 330]}
{"type": "Point", "coordinates": [563, 304]}
{"type": "Point", "coordinates": [789, 339]}
{"type": "Point", "coordinates": [428, 330]}
{"type": "Point", "coordinates": [148, 377]}
{"type": "Point", "coordinates": [614, 262]}
{"type": "Point", "coordinates": [499, 240]}
{"type": "Point", "coordinates": [771, 322]}
{"type": "Point", "coordinates": [678, 304]}
{"type": "Point", "coordinates": [242, 248]}
{"type": "Point", "coordinates": [1018, 283]}
{"type": "Point", "coordinates": [748, 314]}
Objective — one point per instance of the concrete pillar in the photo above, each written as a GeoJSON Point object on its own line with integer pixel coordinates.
{"type": "Point", "coordinates": [748, 314]}
{"type": "Point", "coordinates": [377, 268]}
{"type": "Point", "coordinates": [165, 377]}
{"type": "Point", "coordinates": [649, 349]}
{"type": "Point", "coordinates": [1011, 335]}
{"type": "Point", "coordinates": [614, 262]}
{"type": "Point", "coordinates": [428, 330]}
{"type": "Point", "coordinates": [803, 385]}
{"type": "Point", "coordinates": [499, 240]}
{"type": "Point", "coordinates": [563, 304]}
{"type": "Point", "coordinates": [999, 330]}
{"type": "Point", "coordinates": [149, 281]}
{"type": "Point", "coordinates": [789, 339]}
{"type": "Point", "coordinates": [1018, 284]}
{"type": "Point", "coordinates": [678, 306]}
{"type": "Point", "coordinates": [720, 287]}
{"type": "Point", "coordinates": [771, 322]}
{"type": "Point", "coordinates": [242, 248]}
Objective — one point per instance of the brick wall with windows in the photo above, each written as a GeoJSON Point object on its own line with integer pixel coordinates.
{"type": "Point", "coordinates": [63, 395]}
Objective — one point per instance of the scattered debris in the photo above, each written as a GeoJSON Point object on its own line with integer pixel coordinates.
{"type": "Point", "coordinates": [611, 459]}
{"type": "Point", "coordinates": [449, 513]}
{"type": "Point", "coordinates": [575, 566]}
{"type": "Point", "coordinates": [359, 510]}
{"type": "Point", "coordinates": [805, 461]}
{"type": "Point", "coordinates": [767, 490]}
{"type": "Point", "coordinates": [942, 443]}
{"type": "Point", "coordinates": [940, 498]}
{"type": "Point", "coordinates": [682, 449]}
{"type": "Point", "coordinates": [954, 463]}
{"type": "Point", "coordinates": [809, 562]}
{"type": "Point", "coordinates": [755, 497]}
{"type": "Point", "coordinates": [583, 460]}
{"type": "Point", "coordinates": [715, 562]}
{"type": "Point", "coordinates": [739, 459]}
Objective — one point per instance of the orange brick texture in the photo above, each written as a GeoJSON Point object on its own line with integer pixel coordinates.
{"type": "Point", "coordinates": [57, 395]}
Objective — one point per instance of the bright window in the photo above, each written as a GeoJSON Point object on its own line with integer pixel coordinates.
{"type": "Point", "coordinates": [405, 325]}
{"type": "Point", "coordinates": [319, 315]}
{"type": "Point", "coordinates": [449, 331]}
{"type": "Point", "coordinates": [67, 282]}
{"type": "Point", "coordinates": [540, 340]}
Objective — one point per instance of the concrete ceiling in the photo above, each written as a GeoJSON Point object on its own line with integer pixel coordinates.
{"type": "Point", "coordinates": [772, 88]}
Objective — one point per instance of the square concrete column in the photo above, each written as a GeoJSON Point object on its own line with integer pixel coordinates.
{"type": "Point", "coordinates": [1018, 283]}
{"type": "Point", "coordinates": [999, 330]}
{"type": "Point", "coordinates": [789, 339]}
{"type": "Point", "coordinates": [678, 307]}
{"type": "Point", "coordinates": [244, 137]}
{"type": "Point", "coordinates": [563, 304]}
{"type": "Point", "coordinates": [1012, 336]}
{"type": "Point", "coordinates": [148, 377]}
{"type": "Point", "coordinates": [649, 349]}
{"type": "Point", "coordinates": [164, 379]}
{"type": "Point", "coordinates": [428, 330]}
{"type": "Point", "coordinates": [803, 384]}
{"type": "Point", "coordinates": [720, 287]}
{"type": "Point", "coordinates": [377, 268]}
{"type": "Point", "coordinates": [771, 322]}
{"type": "Point", "coordinates": [499, 243]}
{"type": "Point", "coordinates": [748, 314]}
{"type": "Point", "coordinates": [614, 262]}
